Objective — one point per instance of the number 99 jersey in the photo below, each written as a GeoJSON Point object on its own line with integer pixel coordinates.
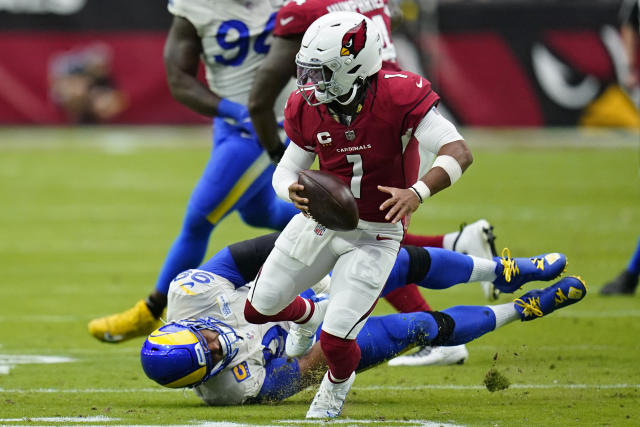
{"type": "Point", "coordinates": [199, 293]}
{"type": "Point", "coordinates": [234, 35]}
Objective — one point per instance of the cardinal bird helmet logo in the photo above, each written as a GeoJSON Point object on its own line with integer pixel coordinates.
{"type": "Point", "coordinates": [354, 40]}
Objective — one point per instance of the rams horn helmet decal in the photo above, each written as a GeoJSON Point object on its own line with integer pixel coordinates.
{"type": "Point", "coordinates": [354, 40]}
{"type": "Point", "coordinates": [177, 354]}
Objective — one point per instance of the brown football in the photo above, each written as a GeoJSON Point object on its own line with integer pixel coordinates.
{"type": "Point", "coordinates": [331, 202]}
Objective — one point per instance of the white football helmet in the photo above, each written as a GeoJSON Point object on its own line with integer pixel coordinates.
{"type": "Point", "coordinates": [339, 51]}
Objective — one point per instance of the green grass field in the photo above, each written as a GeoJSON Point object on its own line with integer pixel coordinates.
{"type": "Point", "coordinates": [88, 214]}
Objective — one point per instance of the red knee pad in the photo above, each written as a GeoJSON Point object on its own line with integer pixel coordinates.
{"type": "Point", "coordinates": [342, 355]}
{"type": "Point", "coordinates": [407, 299]}
{"type": "Point", "coordinates": [254, 316]}
{"type": "Point", "coordinates": [299, 310]}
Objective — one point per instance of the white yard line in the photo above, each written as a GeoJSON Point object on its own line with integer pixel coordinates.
{"type": "Point", "coordinates": [360, 388]}
{"type": "Point", "coordinates": [280, 423]}
{"type": "Point", "coordinates": [96, 419]}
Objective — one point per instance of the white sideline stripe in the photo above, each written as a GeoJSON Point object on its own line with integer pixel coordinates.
{"type": "Point", "coordinates": [480, 387]}
{"type": "Point", "coordinates": [8, 361]}
{"type": "Point", "coordinates": [361, 388]}
{"type": "Point", "coordinates": [96, 419]}
{"type": "Point", "coordinates": [21, 359]}
{"type": "Point", "coordinates": [421, 423]}
{"type": "Point", "coordinates": [102, 419]}
{"type": "Point", "coordinates": [91, 390]}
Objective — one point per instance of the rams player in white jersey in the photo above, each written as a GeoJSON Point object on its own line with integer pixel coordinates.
{"type": "Point", "coordinates": [230, 362]}
{"type": "Point", "coordinates": [231, 39]}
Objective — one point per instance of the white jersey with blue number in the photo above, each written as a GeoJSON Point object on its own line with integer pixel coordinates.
{"type": "Point", "coordinates": [198, 293]}
{"type": "Point", "coordinates": [235, 36]}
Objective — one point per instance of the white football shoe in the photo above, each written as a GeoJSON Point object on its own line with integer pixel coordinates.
{"type": "Point", "coordinates": [431, 356]}
{"type": "Point", "coordinates": [477, 239]}
{"type": "Point", "coordinates": [301, 335]}
{"type": "Point", "coordinates": [330, 398]}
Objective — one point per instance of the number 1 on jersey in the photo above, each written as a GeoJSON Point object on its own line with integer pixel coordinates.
{"type": "Point", "coordinates": [356, 177]}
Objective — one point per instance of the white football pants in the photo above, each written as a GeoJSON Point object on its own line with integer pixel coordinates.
{"type": "Point", "coordinates": [305, 252]}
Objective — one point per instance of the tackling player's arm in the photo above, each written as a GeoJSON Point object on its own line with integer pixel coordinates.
{"type": "Point", "coordinates": [286, 377]}
{"type": "Point", "coordinates": [439, 136]}
{"type": "Point", "coordinates": [272, 76]}
{"type": "Point", "coordinates": [312, 366]}
{"type": "Point", "coordinates": [182, 51]}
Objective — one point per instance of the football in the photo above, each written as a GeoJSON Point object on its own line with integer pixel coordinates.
{"type": "Point", "coordinates": [331, 202]}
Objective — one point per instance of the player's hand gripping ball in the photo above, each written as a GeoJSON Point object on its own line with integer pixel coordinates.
{"type": "Point", "coordinates": [331, 202]}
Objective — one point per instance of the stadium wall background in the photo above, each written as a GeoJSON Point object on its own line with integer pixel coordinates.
{"type": "Point", "coordinates": [495, 63]}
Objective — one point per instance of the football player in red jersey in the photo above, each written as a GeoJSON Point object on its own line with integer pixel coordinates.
{"type": "Point", "coordinates": [368, 127]}
{"type": "Point", "coordinates": [273, 75]}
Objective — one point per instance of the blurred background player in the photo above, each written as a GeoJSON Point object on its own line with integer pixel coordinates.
{"type": "Point", "coordinates": [245, 363]}
{"type": "Point", "coordinates": [366, 127]}
{"type": "Point", "coordinates": [627, 281]}
{"type": "Point", "coordinates": [630, 33]}
{"type": "Point", "coordinates": [290, 24]}
{"type": "Point", "coordinates": [231, 40]}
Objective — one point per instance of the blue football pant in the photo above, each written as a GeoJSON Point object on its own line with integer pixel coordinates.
{"type": "Point", "coordinates": [446, 269]}
{"type": "Point", "coordinates": [236, 177]}
{"type": "Point", "coordinates": [382, 338]}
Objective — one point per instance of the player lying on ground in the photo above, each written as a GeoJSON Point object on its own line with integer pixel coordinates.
{"type": "Point", "coordinates": [236, 362]}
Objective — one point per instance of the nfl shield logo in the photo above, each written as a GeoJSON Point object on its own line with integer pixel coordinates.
{"type": "Point", "coordinates": [320, 229]}
{"type": "Point", "coordinates": [350, 134]}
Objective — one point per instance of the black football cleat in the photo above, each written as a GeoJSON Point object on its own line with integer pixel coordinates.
{"type": "Point", "coordinates": [625, 284]}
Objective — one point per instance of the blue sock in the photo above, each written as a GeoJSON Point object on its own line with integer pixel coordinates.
{"type": "Point", "coordinates": [447, 269]}
{"type": "Point", "coordinates": [634, 263]}
{"type": "Point", "coordinates": [187, 250]}
{"type": "Point", "coordinates": [471, 322]}
{"type": "Point", "coordinates": [383, 337]}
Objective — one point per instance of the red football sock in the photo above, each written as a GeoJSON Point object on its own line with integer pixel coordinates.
{"type": "Point", "coordinates": [417, 240]}
{"type": "Point", "coordinates": [299, 310]}
{"type": "Point", "coordinates": [407, 299]}
{"type": "Point", "coordinates": [342, 356]}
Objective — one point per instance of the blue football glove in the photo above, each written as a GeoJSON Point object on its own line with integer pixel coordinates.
{"type": "Point", "coordinates": [238, 113]}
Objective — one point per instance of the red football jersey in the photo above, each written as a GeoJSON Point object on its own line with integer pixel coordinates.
{"type": "Point", "coordinates": [296, 16]}
{"type": "Point", "coordinates": [378, 148]}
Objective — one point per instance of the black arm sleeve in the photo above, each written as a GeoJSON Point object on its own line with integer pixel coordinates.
{"type": "Point", "coordinates": [249, 255]}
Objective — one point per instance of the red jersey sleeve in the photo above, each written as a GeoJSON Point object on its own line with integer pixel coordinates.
{"type": "Point", "coordinates": [293, 113]}
{"type": "Point", "coordinates": [409, 93]}
{"type": "Point", "coordinates": [294, 18]}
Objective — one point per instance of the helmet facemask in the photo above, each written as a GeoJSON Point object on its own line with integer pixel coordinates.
{"type": "Point", "coordinates": [229, 341]}
{"type": "Point", "coordinates": [178, 355]}
{"type": "Point", "coordinates": [339, 51]}
{"type": "Point", "coordinates": [317, 78]}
